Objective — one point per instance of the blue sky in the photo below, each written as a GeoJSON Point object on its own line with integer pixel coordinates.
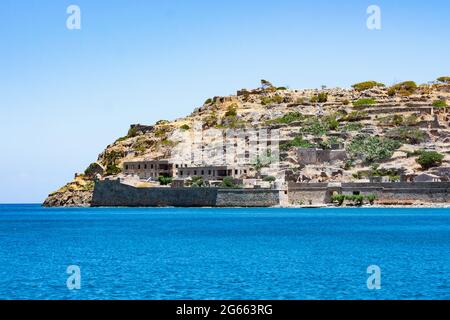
{"type": "Point", "coordinates": [66, 94]}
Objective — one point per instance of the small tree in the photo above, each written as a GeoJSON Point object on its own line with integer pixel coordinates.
{"type": "Point", "coordinates": [429, 159]}
{"type": "Point", "coordinates": [371, 198]}
{"type": "Point", "coordinates": [228, 182]}
{"type": "Point", "coordinates": [266, 84]}
{"type": "Point", "coordinates": [338, 199]}
{"type": "Point", "coordinates": [197, 182]}
{"type": "Point", "coordinates": [444, 79]}
{"type": "Point", "coordinates": [164, 181]}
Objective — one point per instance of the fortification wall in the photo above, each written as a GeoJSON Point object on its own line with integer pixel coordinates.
{"type": "Point", "coordinates": [319, 193]}
{"type": "Point", "coordinates": [112, 193]}
{"type": "Point", "coordinates": [248, 198]}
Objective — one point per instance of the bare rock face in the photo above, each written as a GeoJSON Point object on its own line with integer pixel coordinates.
{"type": "Point", "coordinates": [77, 193]}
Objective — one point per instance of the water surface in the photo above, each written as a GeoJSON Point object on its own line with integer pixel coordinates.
{"type": "Point", "coordinates": [224, 253]}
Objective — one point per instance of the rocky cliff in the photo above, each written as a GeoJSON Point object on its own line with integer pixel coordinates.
{"type": "Point", "coordinates": [384, 130]}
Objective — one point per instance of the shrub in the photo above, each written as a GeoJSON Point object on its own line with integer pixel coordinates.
{"type": "Point", "coordinates": [346, 102]}
{"type": "Point", "coordinates": [231, 111]}
{"type": "Point", "coordinates": [289, 118]}
{"type": "Point", "coordinates": [164, 181]}
{"type": "Point", "coordinates": [228, 182]}
{"type": "Point", "coordinates": [353, 126]}
{"type": "Point", "coordinates": [366, 85]}
{"type": "Point", "coordinates": [321, 98]}
{"type": "Point", "coordinates": [372, 149]}
{"type": "Point", "coordinates": [132, 133]}
{"type": "Point", "coordinates": [371, 198]}
{"type": "Point", "coordinates": [208, 101]}
{"type": "Point", "coordinates": [93, 169]}
{"type": "Point", "coordinates": [162, 122]}
{"type": "Point", "coordinates": [269, 179]}
{"type": "Point", "coordinates": [365, 102]}
{"type": "Point", "coordinates": [439, 104]}
{"type": "Point", "coordinates": [444, 79]}
{"type": "Point", "coordinates": [338, 198]}
{"type": "Point", "coordinates": [429, 159]}
{"type": "Point", "coordinates": [197, 182]}
{"type": "Point", "coordinates": [407, 135]}
{"type": "Point", "coordinates": [411, 120]}
{"type": "Point", "coordinates": [315, 127]}
{"type": "Point", "coordinates": [297, 142]}
{"type": "Point", "coordinates": [331, 122]}
{"type": "Point", "coordinates": [185, 127]}
{"type": "Point", "coordinates": [281, 88]}
{"type": "Point", "coordinates": [112, 169]}
{"type": "Point", "coordinates": [404, 88]}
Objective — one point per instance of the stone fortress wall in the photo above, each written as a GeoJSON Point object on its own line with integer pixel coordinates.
{"type": "Point", "coordinates": [113, 193]}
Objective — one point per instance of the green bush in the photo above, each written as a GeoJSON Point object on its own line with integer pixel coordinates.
{"type": "Point", "coordinates": [269, 179]}
{"type": "Point", "coordinates": [338, 199]}
{"type": "Point", "coordinates": [208, 101]}
{"type": "Point", "coordinates": [297, 142]}
{"type": "Point", "coordinates": [164, 181]}
{"type": "Point", "coordinates": [197, 182]}
{"type": "Point", "coordinates": [372, 149]}
{"type": "Point", "coordinates": [321, 98]}
{"type": "Point", "coordinates": [231, 111]}
{"type": "Point", "coordinates": [371, 198]}
{"type": "Point", "coordinates": [444, 79]}
{"type": "Point", "coordinates": [315, 127]}
{"type": "Point", "coordinates": [353, 126]}
{"type": "Point", "coordinates": [185, 127]}
{"type": "Point", "coordinates": [162, 122]}
{"type": "Point", "coordinates": [331, 122]}
{"type": "Point", "coordinates": [131, 133]}
{"type": "Point", "coordinates": [365, 102]}
{"type": "Point", "coordinates": [407, 135]}
{"type": "Point", "coordinates": [228, 183]}
{"type": "Point", "coordinates": [366, 85]}
{"type": "Point", "coordinates": [439, 104]}
{"type": "Point", "coordinates": [429, 159]}
{"type": "Point", "coordinates": [289, 118]}
{"type": "Point", "coordinates": [112, 169]}
{"type": "Point", "coordinates": [404, 88]}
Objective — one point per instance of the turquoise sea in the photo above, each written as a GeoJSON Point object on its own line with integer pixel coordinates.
{"type": "Point", "coordinates": [224, 253]}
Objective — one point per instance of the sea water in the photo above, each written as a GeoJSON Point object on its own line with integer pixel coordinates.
{"type": "Point", "coordinates": [193, 253]}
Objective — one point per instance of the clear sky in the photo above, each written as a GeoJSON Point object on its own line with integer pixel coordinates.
{"type": "Point", "coordinates": [66, 94]}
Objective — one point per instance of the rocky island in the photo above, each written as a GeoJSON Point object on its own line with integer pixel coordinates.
{"type": "Point", "coordinates": [369, 144]}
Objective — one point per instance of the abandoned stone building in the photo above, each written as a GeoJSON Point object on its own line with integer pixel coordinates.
{"type": "Point", "coordinates": [149, 169]}
{"type": "Point", "coordinates": [212, 173]}
{"type": "Point", "coordinates": [311, 156]}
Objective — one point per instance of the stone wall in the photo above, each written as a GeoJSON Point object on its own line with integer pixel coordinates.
{"type": "Point", "coordinates": [112, 193]}
{"type": "Point", "coordinates": [308, 193]}
{"type": "Point", "coordinates": [320, 193]}
{"type": "Point", "coordinates": [308, 156]}
{"type": "Point", "coordinates": [248, 198]}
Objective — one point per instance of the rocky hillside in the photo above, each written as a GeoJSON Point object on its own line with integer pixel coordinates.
{"type": "Point", "coordinates": [386, 131]}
